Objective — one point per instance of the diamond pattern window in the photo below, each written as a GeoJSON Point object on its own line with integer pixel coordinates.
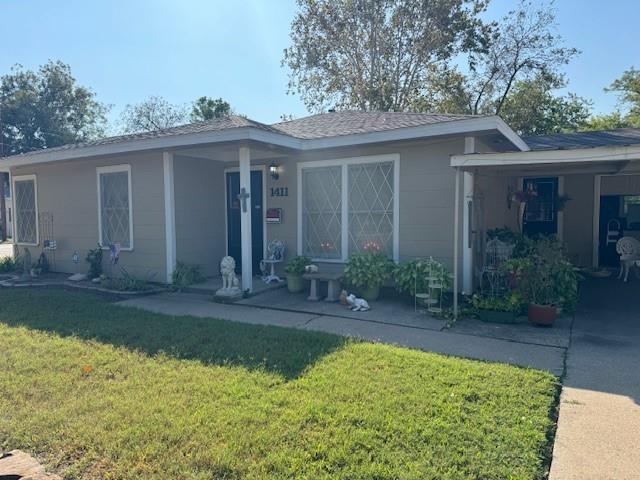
{"type": "Point", "coordinates": [322, 212]}
{"type": "Point", "coordinates": [348, 207]}
{"type": "Point", "coordinates": [115, 207]}
{"type": "Point", "coordinates": [26, 210]}
{"type": "Point", "coordinates": [371, 208]}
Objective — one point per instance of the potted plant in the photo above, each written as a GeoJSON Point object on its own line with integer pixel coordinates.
{"type": "Point", "coordinates": [367, 272]}
{"type": "Point", "coordinates": [412, 276]}
{"type": "Point", "coordinates": [294, 270]}
{"type": "Point", "coordinates": [548, 281]}
{"type": "Point", "coordinates": [502, 309]}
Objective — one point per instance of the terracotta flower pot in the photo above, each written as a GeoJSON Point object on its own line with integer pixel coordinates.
{"type": "Point", "coordinates": [543, 315]}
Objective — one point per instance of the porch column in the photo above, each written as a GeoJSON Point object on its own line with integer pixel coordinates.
{"type": "Point", "coordinates": [467, 220]}
{"type": "Point", "coordinates": [244, 154]}
{"type": "Point", "coordinates": [169, 214]}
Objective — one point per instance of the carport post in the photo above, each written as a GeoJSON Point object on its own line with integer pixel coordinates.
{"type": "Point", "coordinates": [456, 242]}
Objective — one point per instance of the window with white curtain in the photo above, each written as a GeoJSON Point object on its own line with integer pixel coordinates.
{"type": "Point", "coordinates": [25, 191]}
{"type": "Point", "coordinates": [114, 209]}
{"type": "Point", "coordinates": [348, 206]}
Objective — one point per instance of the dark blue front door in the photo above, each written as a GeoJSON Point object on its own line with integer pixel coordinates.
{"type": "Point", "coordinates": [233, 219]}
{"type": "Point", "coordinates": [541, 214]}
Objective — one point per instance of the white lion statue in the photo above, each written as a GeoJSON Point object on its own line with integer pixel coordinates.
{"type": "Point", "coordinates": [228, 271]}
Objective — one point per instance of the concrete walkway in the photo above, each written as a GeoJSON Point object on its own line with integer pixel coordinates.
{"type": "Point", "coordinates": [598, 434]}
{"type": "Point", "coordinates": [544, 357]}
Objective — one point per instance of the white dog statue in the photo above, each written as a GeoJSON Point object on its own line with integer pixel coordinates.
{"type": "Point", "coordinates": [311, 269]}
{"type": "Point", "coordinates": [357, 304]}
{"type": "Point", "coordinates": [228, 271]}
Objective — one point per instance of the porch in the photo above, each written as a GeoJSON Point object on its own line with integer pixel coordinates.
{"type": "Point", "coordinates": [576, 195]}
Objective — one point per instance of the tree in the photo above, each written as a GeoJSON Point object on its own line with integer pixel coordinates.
{"type": "Point", "coordinates": [154, 113]}
{"type": "Point", "coordinates": [531, 108]}
{"type": "Point", "coordinates": [520, 47]}
{"type": "Point", "coordinates": [205, 108]}
{"type": "Point", "coordinates": [628, 89]}
{"type": "Point", "coordinates": [46, 108]}
{"type": "Point", "coordinates": [376, 54]}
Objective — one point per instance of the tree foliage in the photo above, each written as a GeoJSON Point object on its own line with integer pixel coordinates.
{"type": "Point", "coordinates": [154, 113]}
{"type": "Point", "coordinates": [376, 55]}
{"type": "Point", "coordinates": [206, 108]}
{"type": "Point", "coordinates": [531, 108]}
{"type": "Point", "coordinates": [523, 45]}
{"type": "Point", "coordinates": [46, 108]}
{"type": "Point", "coordinates": [628, 115]}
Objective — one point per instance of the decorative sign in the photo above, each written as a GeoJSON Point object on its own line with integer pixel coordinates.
{"type": "Point", "coordinates": [279, 191]}
{"type": "Point", "coordinates": [274, 215]}
{"type": "Point", "coordinates": [50, 244]}
{"type": "Point", "coordinates": [75, 257]}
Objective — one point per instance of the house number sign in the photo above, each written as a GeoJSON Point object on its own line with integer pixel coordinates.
{"type": "Point", "coordinates": [280, 191]}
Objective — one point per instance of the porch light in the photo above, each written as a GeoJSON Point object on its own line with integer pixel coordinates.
{"type": "Point", "coordinates": [274, 170]}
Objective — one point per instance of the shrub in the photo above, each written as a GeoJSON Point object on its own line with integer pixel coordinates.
{"type": "Point", "coordinates": [296, 265]}
{"type": "Point", "coordinates": [127, 283]}
{"type": "Point", "coordinates": [8, 264]}
{"type": "Point", "coordinates": [508, 303]}
{"type": "Point", "coordinates": [415, 273]}
{"type": "Point", "coordinates": [94, 257]}
{"type": "Point", "coordinates": [186, 274]}
{"type": "Point", "coordinates": [368, 269]}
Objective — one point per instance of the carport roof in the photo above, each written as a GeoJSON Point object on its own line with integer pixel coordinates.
{"type": "Point", "coordinates": [567, 141]}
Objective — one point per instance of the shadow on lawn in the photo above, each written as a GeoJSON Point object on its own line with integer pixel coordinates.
{"type": "Point", "coordinates": [69, 313]}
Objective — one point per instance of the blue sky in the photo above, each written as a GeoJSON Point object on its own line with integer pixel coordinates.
{"type": "Point", "coordinates": [181, 49]}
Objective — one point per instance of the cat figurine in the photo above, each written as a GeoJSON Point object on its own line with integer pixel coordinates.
{"type": "Point", "coordinates": [357, 304]}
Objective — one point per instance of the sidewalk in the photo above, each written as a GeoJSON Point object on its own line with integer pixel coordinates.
{"type": "Point", "coordinates": [542, 357]}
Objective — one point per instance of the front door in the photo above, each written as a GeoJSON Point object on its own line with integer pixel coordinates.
{"type": "Point", "coordinates": [541, 215]}
{"type": "Point", "coordinates": [234, 247]}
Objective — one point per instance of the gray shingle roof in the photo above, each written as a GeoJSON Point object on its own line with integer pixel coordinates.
{"type": "Point", "coordinates": [352, 122]}
{"type": "Point", "coordinates": [566, 141]}
{"type": "Point", "coordinates": [225, 123]}
{"type": "Point", "coordinates": [316, 126]}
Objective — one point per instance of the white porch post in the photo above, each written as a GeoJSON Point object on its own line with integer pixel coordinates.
{"type": "Point", "coordinates": [467, 220]}
{"type": "Point", "coordinates": [245, 218]}
{"type": "Point", "coordinates": [467, 230]}
{"type": "Point", "coordinates": [169, 214]}
{"type": "Point", "coordinates": [456, 242]}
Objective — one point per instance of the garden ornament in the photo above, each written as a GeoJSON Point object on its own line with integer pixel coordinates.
{"type": "Point", "coordinates": [357, 304]}
{"type": "Point", "coordinates": [311, 269]}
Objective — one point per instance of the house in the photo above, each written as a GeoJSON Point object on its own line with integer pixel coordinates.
{"type": "Point", "coordinates": [328, 185]}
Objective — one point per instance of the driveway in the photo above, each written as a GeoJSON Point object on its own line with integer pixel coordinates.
{"type": "Point", "coordinates": [598, 433]}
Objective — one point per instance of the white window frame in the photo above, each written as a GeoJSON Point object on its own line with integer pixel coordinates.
{"type": "Point", "coordinates": [114, 169]}
{"type": "Point", "coordinates": [19, 178]}
{"type": "Point", "coordinates": [344, 163]}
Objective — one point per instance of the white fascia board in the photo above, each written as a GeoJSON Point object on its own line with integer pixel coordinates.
{"type": "Point", "coordinates": [541, 157]}
{"type": "Point", "coordinates": [454, 127]}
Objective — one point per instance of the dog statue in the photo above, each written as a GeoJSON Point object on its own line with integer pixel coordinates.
{"type": "Point", "coordinates": [357, 304]}
{"type": "Point", "coordinates": [311, 269]}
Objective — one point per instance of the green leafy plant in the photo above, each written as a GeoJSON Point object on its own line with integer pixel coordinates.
{"type": "Point", "coordinates": [508, 303]}
{"type": "Point", "coordinates": [127, 283]}
{"type": "Point", "coordinates": [94, 257]}
{"type": "Point", "coordinates": [186, 274]}
{"type": "Point", "coordinates": [296, 265]}
{"type": "Point", "coordinates": [368, 269]}
{"type": "Point", "coordinates": [415, 273]}
{"type": "Point", "coordinates": [8, 264]}
{"type": "Point", "coordinates": [546, 277]}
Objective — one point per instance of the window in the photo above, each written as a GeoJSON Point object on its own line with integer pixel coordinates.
{"type": "Point", "coordinates": [348, 206]}
{"type": "Point", "coordinates": [114, 206]}
{"type": "Point", "coordinates": [26, 190]}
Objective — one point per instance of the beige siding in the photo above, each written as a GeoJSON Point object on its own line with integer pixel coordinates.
{"type": "Point", "coordinates": [578, 218]}
{"type": "Point", "coordinates": [200, 212]}
{"type": "Point", "coordinates": [69, 191]}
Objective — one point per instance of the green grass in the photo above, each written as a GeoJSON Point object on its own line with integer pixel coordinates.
{"type": "Point", "coordinates": [100, 391]}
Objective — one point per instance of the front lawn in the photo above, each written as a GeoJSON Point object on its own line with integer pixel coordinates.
{"type": "Point", "coordinates": [100, 391]}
